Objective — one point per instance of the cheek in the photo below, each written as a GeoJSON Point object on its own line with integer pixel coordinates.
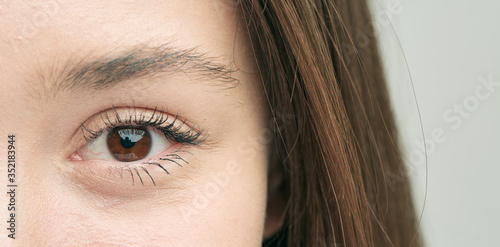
{"type": "Point", "coordinates": [231, 203]}
{"type": "Point", "coordinates": [228, 204]}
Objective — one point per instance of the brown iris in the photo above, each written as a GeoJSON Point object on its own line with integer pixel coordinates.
{"type": "Point", "coordinates": [129, 143]}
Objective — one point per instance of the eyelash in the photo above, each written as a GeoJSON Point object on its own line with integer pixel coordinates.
{"type": "Point", "coordinates": [158, 121]}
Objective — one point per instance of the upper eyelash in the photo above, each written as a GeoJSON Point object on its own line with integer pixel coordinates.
{"type": "Point", "coordinates": [156, 121]}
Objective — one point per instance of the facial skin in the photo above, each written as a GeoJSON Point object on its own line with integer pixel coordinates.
{"type": "Point", "coordinates": [217, 197]}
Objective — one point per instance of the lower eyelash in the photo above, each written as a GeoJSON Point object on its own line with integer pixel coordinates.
{"type": "Point", "coordinates": [172, 157]}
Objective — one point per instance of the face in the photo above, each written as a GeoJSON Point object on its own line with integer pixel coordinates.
{"type": "Point", "coordinates": [134, 123]}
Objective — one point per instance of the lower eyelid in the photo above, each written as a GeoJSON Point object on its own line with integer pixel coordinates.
{"type": "Point", "coordinates": [112, 178]}
{"type": "Point", "coordinates": [107, 185]}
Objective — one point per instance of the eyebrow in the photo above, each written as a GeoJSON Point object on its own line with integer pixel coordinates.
{"type": "Point", "coordinates": [139, 62]}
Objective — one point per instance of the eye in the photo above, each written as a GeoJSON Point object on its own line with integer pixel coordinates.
{"type": "Point", "coordinates": [133, 140]}
{"type": "Point", "coordinates": [125, 144]}
{"type": "Point", "coordinates": [128, 135]}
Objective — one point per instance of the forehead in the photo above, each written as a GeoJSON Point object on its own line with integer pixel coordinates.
{"type": "Point", "coordinates": [25, 21]}
{"type": "Point", "coordinates": [36, 33]}
{"type": "Point", "coordinates": [42, 37]}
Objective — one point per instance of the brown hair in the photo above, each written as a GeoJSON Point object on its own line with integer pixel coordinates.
{"type": "Point", "coordinates": [335, 152]}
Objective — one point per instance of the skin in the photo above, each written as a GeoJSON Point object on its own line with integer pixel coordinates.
{"type": "Point", "coordinates": [218, 199]}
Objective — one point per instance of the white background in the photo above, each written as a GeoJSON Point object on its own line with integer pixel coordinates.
{"type": "Point", "coordinates": [450, 47]}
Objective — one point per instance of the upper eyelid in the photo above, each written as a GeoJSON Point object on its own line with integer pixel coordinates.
{"type": "Point", "coordinates": [103, 118]}
{"type": "Point", "coordinates": [129, 116]}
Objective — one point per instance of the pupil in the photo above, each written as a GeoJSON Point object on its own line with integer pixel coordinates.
{"type": "Point", "coordinates": [127, 143]}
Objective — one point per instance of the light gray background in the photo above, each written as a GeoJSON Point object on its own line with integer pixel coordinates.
{"type": "Point", "coordinates": [451, 48]}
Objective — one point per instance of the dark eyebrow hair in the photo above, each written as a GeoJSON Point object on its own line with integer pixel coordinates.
{"type": "Point", "coordinates": [140, 62]}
